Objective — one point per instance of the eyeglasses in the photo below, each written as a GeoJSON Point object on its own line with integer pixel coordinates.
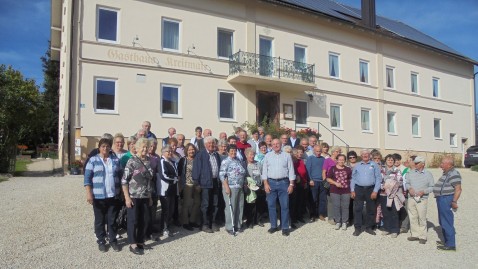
{"type": "Point", "coordinates": [352, 157]}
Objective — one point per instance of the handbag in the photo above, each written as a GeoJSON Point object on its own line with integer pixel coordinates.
{"type": "Point", "coordinates": [326, 184]}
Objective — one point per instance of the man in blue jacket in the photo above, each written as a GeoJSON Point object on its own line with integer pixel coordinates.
{"type": "Point", "coordinates": [314, 166]}
{"type": "Point", "coordinates": [206, 174]}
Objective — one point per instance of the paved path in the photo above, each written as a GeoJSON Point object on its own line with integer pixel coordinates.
{"type": "Point", "coordinates": [46, 222]}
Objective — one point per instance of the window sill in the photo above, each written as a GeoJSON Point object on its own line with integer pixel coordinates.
{"type": "Point", "coordinates": [301, 125]}
{"type": "Point", "coordinates": [393, 134]}
{"type": "Point", "coordinates": [365, 83]}
{"type": "Point", "coordinates": [453, 146]}
{"type": "Point", "coordinates": [107, 112]}
{"type": "Point", "coordinates": [438, 138]}
{"type": "Point", "coordinates": [367, 132]}
{"type": "Point", "coordinates": [227, 120]}
{"type": "Point", "coordinates": [336, 128]}
{"type": "Point", "coordinates": [171, 50]}
{"type": "Point", "coordinates": [416, 136]}
{"type": "Point", "coordinates": [171, 116]}
{"type": "Point", "coordinates": [336, 78]}
{"type": "Point", "coordinates": [107, 41]}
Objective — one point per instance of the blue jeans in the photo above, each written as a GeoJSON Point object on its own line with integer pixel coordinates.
{"type": "Point", "coordinates": [319, 197]}
{"type": "Point", "coordinates": [278, 190]}
{"type": "Point", "coordinates": [446, 219]}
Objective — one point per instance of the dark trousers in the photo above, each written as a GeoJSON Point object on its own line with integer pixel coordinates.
{"type": "Point", "coordinates": [319, 200]}
{"type": "Point", "coordinates": [221, 205]}
{"type": "Point", "coordinates": [105, 211]}
{"type": "Point", "coordinates": [362, 194]}
{"type": "Point", "coordinates": [209, 202]}
{"type": "Point", "coordinates": [261, 205]}
{"type": "Point", "coordinates": [293, 206]}
{"type": "Point", "coordinates": [301, 202]}
{"type": "Point", "coordinates": [138, 219]}
{"type": "Point", "coordinates": [250, 212]}
{"type": "Point", "coordinates": [152, 216]}
{"type": "Point", "coordinates": [168, 205]}
{"type": "Point", "coordinates": [390, 216]}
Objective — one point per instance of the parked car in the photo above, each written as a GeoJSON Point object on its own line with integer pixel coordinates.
{"type": "Point", "coordinates": [471, 156]}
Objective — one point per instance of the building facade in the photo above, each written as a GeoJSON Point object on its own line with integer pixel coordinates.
{"type": "Point", "coordinates": [217, 64]}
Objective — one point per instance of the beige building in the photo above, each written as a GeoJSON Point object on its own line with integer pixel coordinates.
{"type": "Point", "coordinates": [371, 83]}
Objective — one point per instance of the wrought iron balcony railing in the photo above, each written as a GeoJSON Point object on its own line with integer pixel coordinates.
{"type": "Point", "coordinates": [252, 63]}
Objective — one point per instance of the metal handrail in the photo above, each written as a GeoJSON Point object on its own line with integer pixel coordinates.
{"type": "Point", "coordinates": [347, 146]}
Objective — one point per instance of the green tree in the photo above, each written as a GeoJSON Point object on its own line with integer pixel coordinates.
{"type": "Point", "coordinates": [51, 75]}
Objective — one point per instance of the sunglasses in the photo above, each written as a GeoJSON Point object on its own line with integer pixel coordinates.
{"type": "Point", "coordinates": [352, 157]}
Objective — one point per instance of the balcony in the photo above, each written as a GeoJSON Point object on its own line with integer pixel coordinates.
{"type": "Point", "coordinates": [255, 69]}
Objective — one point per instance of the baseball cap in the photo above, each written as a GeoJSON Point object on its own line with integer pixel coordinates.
{"type": "Point", "coordinates": [419, 159]}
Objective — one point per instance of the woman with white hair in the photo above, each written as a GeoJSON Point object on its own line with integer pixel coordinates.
{"type": "Point", "coordinates": [167, 184]}
{"type": "Point", "coordinates": [328, 164]}
{"type": "Point", "coordinates": [137, 189]}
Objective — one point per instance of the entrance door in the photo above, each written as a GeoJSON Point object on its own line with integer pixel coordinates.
{"type": "Point", "coordinates": [267, 107]}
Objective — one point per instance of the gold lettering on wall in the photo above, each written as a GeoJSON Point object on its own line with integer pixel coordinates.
{"type": "Point", "coordinates": [131, 57]}
{"type": "Point", "coordinates": [185, 64]}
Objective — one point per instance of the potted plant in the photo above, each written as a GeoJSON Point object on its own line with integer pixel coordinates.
{"type": "Point", "coordinates": [75, 167]}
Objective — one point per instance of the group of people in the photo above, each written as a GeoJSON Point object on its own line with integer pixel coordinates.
{"type": "Point", "coordinates": [239, 183]}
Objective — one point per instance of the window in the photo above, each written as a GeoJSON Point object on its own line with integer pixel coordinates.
{"type": "Point", "coordinates": [107, 28]}
{"type": "Point", "coordinates": [365, 119]}
{"type": "Point", "coordinates": [301, 112]}
{"type": "Point", "coordinates": [169, 100]}
{"type": "Point", "coordinates": [414, 81]}
{"type": "Point", "coordinates": [436, 90]}
{"type": "Point", "coordinates": [334, 65]}
{"type": "Point", "coordinates": [170, 35]}
{"type": "Point", "coordinates": [363, 71]}
{"type": "Point", "coordinates": [105, 95]}
{"type": "Point", "coordinates": [266, 63]}
{"type": "Point", "coordinates": [299, 54]}
{"type": "Point", "coordinates": [437, 128]}
{"type": "Point", "coordinates": [453, 141]}
{"type": "Point", "coordinates": [391, 123]}
{"type": "Point", "coordinates": [224, 43]}
{"type": "Point", "coordinates": [389, 74]}
{"type": "Point", "coordinates": [415, 126]}
{"type": "Point", "coordinates": [335, 116]}
{"type": "Point", "coordinates": [226, 105]}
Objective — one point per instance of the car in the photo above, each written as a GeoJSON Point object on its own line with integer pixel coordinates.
{"type": "Point", "coordinates": [471, 156]}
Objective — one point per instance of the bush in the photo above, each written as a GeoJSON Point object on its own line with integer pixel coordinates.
{"type": "Point", "coordinates": [438, 157]}
{"type": "Point", "coordinates": [276, 129]}
{"type": "Point", "coordinates": [474, 168]}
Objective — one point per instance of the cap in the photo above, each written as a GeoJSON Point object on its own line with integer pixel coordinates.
{"type": "Point", "coordinates": [419, 159]}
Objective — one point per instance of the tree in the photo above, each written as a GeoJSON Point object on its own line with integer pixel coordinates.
{"type": "Point", "coordinates": [51, 75]}
{"type": "Point", "coordinates": [20, 104]}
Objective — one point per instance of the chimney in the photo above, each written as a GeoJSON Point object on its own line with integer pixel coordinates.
{"type": "Point", "coordinates": [368, 13]}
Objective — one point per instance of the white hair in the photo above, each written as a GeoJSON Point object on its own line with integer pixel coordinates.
{"type": "Point", "coordinates": [208, 139]}
{"type": "Point", "coordinates": [363, 151]}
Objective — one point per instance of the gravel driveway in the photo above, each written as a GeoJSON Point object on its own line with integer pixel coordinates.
{"type": "Point", "coordinates": [46, 223]}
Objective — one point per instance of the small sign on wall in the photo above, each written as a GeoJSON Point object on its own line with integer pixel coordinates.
{"type": "Point", "coordinates": [77, 151]}
{"type": "Point", "coordinates": [77, 142]}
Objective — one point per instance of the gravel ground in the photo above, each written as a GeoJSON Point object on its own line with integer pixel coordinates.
{"type": "Point", "coordinates": [46, 223]}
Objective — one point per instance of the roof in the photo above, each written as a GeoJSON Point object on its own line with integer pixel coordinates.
{"type": "Point", "coordinates": [385, 25]}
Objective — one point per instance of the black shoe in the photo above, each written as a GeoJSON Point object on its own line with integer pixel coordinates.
{"type": "Point", "coordinates": [440, 243]}
{"type": "Point", "coordinates": [301, 220]}
{"type": "Point", "coordinates": [115, 246]}
{"type": "Point", "coordinates": [215, 228]}
{"type": "Point", "coordinates": [357, 232]}
{"type": "Point", "coordinates": [260, 224]}
{"type": "Point", "coordinates": [285, 232]}
{"type": "Point", "coordinates": [446, 248]}
{"type": "Point", "coordinates": [136, 250]}
{"type": "Point", "coordinates": [188, 227]}
{"type": "Point", "coordinates": [411, 238]}
{"type": "Point", "coordinates": [140, 246]}
{"type": "Point", "coordinates": [230, 232]}
{"type": "Point", "coordinates": [370, 231]}
{"type": "Point", "coordinates": [102, 247]}
{"type": "Point", "coordinates": [194, 225]}
{"type": "Point", "coordinates": [240, 230]}
{"type": "Point", "coordinates": [177, 223]}
{"type": "Point", "coordinates": [272, 230]}
{"type": "Point", "coordinates": [311, 220]}
{"type": "Point", "coordinates": [293, 226]}
{"type": "Point", "coordinates": [422, 241]}
{"type": "Point", "coordinates": [206, 229]}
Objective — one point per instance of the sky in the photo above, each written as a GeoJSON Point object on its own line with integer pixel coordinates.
{"type": "Point", "coordinates": [25, 27]}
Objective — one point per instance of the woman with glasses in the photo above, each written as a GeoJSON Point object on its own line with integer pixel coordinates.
{"type": "Point", "coordinates": [352, 159]}
{"type": "Point", "coordinates": [167, 188]}
{"type": "Point", "coordinates": [118, 145]}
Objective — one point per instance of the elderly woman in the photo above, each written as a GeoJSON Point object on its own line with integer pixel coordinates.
{"type": "Point", "coordinates": [391, 197]}
{"type": "Point", "coordinates": [221, 149]}
{"type": "Point", "coordinates": [352, 159]}
{"type": "Point", "coordinates": [167, 188]}
{"type": "Point", "coordinates": [102, 184]}
{"type": "Point", "coordinates": [191, 191]}
{"type": "Point", "coordinates": [253, 174]}
{"type": "Point", "coordinates": [118, 145]}
{"type": "Point", "coordinates": [173, 144]}
{"type": "Point", "coordinates": [232, 175]}
{"type": "Point", "coordinates": [137, 189]}
{"type": "Point", "coordinates": [261, 153]}
{"type": "Point", "coordinates": [329, 162]}
{"type": "Point", "coordinates": [301, 184]}
{"type": "Point", "coordinates": [339, 177]}
{"type": "Point", "coordinates": [325, 150]}
{"type": "Point", "coordinates": [131, 151]}
{"type": "Point", "coordinates": [154, 162]}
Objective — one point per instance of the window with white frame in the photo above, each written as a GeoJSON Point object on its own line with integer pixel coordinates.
{"type": "Point", "coordinates": [105, 95]}
{"type": "Point", "coordinates": [414, 82]}
{"type": "Point", "coordinates": [299, 57]}
{"type": "Point", "coordinates": [365, 120]}
{"type": "Point", "coordinates": [391, 126]}
{"type": "Point", "coordinates": [301, 112]}
{"type": "Point", "coordinates": [436, 89]}
{"type": "Point", "coordinates": [390, 76]}
{"type": "Point", "coordinates": [107, 24]}
{"type": "Point", "coordinates": [170, 38]}
{"type": "Point", "coordinates": [453, 140]}
{"type": "Point", "coordinates": [437, 128]}
{"type": "Point", "coordinates": [170, 100]}
{"type": "Point", "coordinates": [363, 69]}
{"type": "Point", "coordinates": [334, 70]}
{"type": "Point", "coordinates": [226, 105]}
{"type": "Point", "coordinates": [224, 43]}
{"type": "Point", "coordinates": [415, 126]}
{"type": "Point", "coordinates": [336, 116]}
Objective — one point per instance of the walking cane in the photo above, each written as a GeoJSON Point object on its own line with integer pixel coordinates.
{"type": "Point", "coordinates": [232, 216]}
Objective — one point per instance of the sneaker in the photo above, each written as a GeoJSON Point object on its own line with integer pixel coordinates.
{"type": "Point", "coordinates": [344, 226]}
{"type": "Point", "coordinates": [206, 229]}
{"type": "Point", "coordinates": [332, 222]}
{"type": "Point", "coordinates": [115, 246]}
{"type": "Point", "coordinates": [385, 233]}
{"type": "Point", "coordinates": [322, 218]}
{"type": "Point", "coordinates": [337, 226]}
{"type": "Point", "coordinates": [411, 238]}
{"type": "Point", "coordinates": [446, 248]}
{"type": "Point", "coordinates": [394, 235]}
{"type": "Point", "coordinates": [118, 236]}
{"type": "Point", "coordinates": [440, 243]}
{"type": "Point", "coordinates": [166, 233]}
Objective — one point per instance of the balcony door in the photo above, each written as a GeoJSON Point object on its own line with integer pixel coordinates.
{"type": "Point", "coordinates": [266, 63]}
{"type": "Point", "coordinates": [267, 107]}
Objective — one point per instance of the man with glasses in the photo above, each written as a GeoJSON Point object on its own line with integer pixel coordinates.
{"type": "Point", "coordinates": [419, 184]}
{"type": "Point", "coordinates": [366, 179]}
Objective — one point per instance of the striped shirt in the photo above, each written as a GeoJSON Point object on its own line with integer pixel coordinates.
{"type": "Point", "coordinates": [278, 166]}
{"type": "Point", "coordinates": [214, 167]}
{"type": "Point", "coordinates": [447, 183]}
{"type": "Point", "coordinates": [420, 181]}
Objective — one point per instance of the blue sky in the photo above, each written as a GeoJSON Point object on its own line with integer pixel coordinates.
{"type": "Point", "coordinates": [25, 27]}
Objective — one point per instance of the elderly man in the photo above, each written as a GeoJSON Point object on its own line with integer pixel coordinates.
{"type": "Point", "coordinates": [242, 145]}
{"type": "Point", "coordinates": [180, 147]}
{"type": "Point", "coordinates": [314, 166]}
{"type": "Point", "coordinates": [146, 126]}
{"type": "Point", "coordinates": [278, 177]}
{"type": "Point", "coordinates": [447, 191]}
{"type": "Point", "coordinates": [222, 135]}
{"type": "Point", "coordinates": [254, 141]}
{"type": "Point", "coordinates": [268, 140]}
{"type": "Point", "coordinates": [310, 148]}
{"type": "Point", "coordinates": [171, 133]}
{"type": "Point", "coordinates": [206, 174]}
{"type": "Point", "coordinates": [419, 184]}
{"type": "Point", "coordinates": [284, 141]}
{"type": "Point", "coordinates": [207, 132]}
{"type": "Point", "coordinates": [293, 141]}
{"type": "Point", "coordinates": [262, 134]}
{"type": "Point", "coordinates": [365, 184]}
